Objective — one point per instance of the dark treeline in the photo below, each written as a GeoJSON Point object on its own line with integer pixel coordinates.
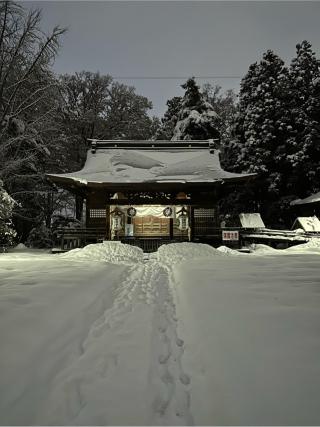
{"type": "Point", "coordinates": [46, 120]}
{"type": "Point", "coordinates": [273, 129]}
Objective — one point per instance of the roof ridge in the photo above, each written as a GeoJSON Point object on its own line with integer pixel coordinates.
{"type": "Point", "coordinates": [150, 144]}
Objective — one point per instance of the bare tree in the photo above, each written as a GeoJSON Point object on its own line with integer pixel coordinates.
{"type": "Point", "coordinates": [29, 100]}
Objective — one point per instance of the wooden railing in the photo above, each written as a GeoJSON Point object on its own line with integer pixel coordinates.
{"type": "Point", "coordinates": [70, 238]}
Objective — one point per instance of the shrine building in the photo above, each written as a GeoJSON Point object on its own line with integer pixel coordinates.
{"type": "Point", "coordinates": [150, 191]}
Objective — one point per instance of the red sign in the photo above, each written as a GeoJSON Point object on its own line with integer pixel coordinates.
{"type": "Point", "coordinates": [230, 235]}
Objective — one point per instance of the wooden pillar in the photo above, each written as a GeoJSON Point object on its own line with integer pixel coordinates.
{"type": "Point", "coordinates": [191, 219]}
{"type": "Point", "coordinates": [171, 228]}
{"type": "Point", "coordinates": [87, 214]}
{"type": "Point", "coordinates": [79, 207]}
{"type": "Point", "coordinates": [107, 236]}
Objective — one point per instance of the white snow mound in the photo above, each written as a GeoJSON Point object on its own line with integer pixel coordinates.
{"type": "Point", "coordinates": [261, 249]}
{"type": "Point", "coordinates": [175, 253]}
{"type": "Point", "coordinates": [228, 251]}
{"type": "Point", "coordinates": [311, 247]}
{"type": "Point", "coordinates": [114, 252]}
{"type": "Point", "coordinates": [20, 247]}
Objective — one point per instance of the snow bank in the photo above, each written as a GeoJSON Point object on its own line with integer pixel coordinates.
{"type": "Point", "coordinates": [311, 247]}
{"type": "Point", "coordinates": [114, 252]}
{"type": "Point", "coordinates": [175, 253]}
{"type": "Point", "coordinates": [261, 249]}
{"type": "Point", "coordinates": [228, 251]}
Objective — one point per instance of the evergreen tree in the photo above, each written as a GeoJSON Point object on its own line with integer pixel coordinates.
{"type": "Point", "coordinates": [261, 133]}
{"type": "Point", "coordinates": [170, 119]}
{"type": "Point", "coordinates": [263, 122]}
{"type": "Point", "coordinates": [196, 118]}
{"type": "Point", "coordinates": [304, 137]}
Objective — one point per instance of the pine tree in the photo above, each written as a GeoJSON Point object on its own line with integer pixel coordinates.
{"type": "Point", "coordinates": [170, 119]}
{"type": "Point", "coordinates": [263, 121]}
{"type": "Point", "coordinates": [261, 133]}
{"type": "Point", "coordinates": [277, 131]}
{"type": "Point", "coordinates": [304, 140]}
{"type": "Point", "coordinates": [196, 118]}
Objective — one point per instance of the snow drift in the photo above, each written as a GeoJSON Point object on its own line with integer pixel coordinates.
{"type": "Point", "coordinates": [108, 251]}
{"type": "Point", "coordinates": [192, 336]}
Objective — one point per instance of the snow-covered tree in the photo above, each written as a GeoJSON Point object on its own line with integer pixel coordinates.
{"type": "Point", "coordinates": [170, 118]}
{"type": "Point", "coordinates": [304, 137]}
{"type": "Point", "coordinates": [277, 130]}
{"type": "Point", "coordinates": [29, 101]}
{"type": "Point", "coordinates": [261, 132]}
{"type": "Point", "coordinates": [196, 118]}
{"type": "Point", "coordinates": [263, 123]}
{"type": "Point", "coordinates": [7, 233]}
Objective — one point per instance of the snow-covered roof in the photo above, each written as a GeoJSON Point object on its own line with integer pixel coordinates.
{"type": "Point", "coordinates": [157, 162]}
{"type": "Point", "coordinates": [251, 220]}
{"type": "Point", "coordinates": [314, 198]}
{"type": "Point", "coordinates": [307, 223]}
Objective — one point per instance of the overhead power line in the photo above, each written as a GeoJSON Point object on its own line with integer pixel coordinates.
{"type": "Point", "coordinates": [173, 77]}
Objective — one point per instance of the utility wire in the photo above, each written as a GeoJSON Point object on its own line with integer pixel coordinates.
{"type": "Point", "coordinates": [173, 77]}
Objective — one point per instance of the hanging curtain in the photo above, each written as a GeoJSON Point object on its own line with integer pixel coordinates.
{"type": "Point", "coordinates": [152, 210]}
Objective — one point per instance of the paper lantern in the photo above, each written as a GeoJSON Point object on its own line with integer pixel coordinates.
{"type": "Point", "coordinates": [116, 222]}
{"type": "Point", "coordinates": [183, 220]}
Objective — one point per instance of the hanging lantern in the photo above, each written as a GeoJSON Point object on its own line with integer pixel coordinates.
{"type": "Point", "coordinates": [116, 222]}
{"type": "Point", "coordinates": [183, 220]}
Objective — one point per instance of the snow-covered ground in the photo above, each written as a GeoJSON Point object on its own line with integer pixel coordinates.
{"type": "Point", "coordinates": [193, 335]}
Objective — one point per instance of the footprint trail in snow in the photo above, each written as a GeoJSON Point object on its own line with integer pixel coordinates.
{"type": "Point", "coordinates": [131, 352]}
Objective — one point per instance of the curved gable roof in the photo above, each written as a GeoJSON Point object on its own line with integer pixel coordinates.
{"type": "Point", "coordinates": [188, 163]}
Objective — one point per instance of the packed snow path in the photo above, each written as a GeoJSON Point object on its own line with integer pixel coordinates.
{"type": "Point", "coordinates": [191, 335]}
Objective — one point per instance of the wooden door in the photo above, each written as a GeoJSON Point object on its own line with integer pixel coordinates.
{"type": "Point", "coordinates": [145, 226]}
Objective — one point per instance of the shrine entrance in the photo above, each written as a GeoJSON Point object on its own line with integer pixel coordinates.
{"type": "Point", "coordinates": [150, 225]}
{"type": "Point", "coordinates": [147, 221]}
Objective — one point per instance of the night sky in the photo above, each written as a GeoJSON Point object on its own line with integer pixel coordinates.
{"type": "Point", "coordinates": [176, 39]}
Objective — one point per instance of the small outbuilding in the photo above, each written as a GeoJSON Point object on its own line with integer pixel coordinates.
{"type": "Point", "coordinates": [307, 223]}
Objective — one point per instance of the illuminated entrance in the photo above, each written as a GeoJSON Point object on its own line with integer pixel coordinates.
{"type": "Point", "coordinates": [145, 221]}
